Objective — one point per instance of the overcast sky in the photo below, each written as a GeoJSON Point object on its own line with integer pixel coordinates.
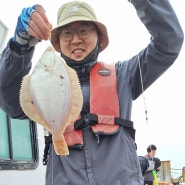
{"type": "Point", "coordinates": [165, 100]}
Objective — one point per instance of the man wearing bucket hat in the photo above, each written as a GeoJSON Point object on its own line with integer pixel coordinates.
{"type": "Point", "coordinates": [107, 154]}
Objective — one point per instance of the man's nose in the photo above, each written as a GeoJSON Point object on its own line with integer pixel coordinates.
{"type": "Point", "coordinates": [75, 37]}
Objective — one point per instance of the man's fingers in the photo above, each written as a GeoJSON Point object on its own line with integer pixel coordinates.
{"type": "Point", "coordinates": [35, 31]}
{"type": "Point", "coordinates": [39, 26]}
{"type": "Point", "coordinates": [41, 11]}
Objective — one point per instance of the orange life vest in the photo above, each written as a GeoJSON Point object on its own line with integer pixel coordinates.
{"type": "Point", "coordinates": [104, 104]}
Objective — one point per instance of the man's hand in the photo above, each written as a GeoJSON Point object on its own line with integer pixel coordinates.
{"type": "Point", "coordinates": [32, 27]}
{"type": "Point", "coordinates": [39, 26]}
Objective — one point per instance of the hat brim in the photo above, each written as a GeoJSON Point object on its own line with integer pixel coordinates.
{"type": "Point", "coordinates": [103, 33]}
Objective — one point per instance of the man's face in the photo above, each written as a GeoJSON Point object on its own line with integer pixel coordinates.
{"type": "Point", "coordinates": [78, 39]}
{"type": "Point", "coordinates": [152, 153]}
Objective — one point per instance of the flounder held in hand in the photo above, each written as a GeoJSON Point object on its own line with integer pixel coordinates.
{"type": "Point", "coordinates": [51, 96]}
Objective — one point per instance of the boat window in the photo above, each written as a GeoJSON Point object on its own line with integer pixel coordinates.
{"type": "Point", "coordinates": [18, 143]}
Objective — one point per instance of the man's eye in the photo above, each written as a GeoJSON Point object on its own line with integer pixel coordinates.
{"type": "Point", "coordinates": [83, 31]}
{"type": "Point", "coordinates": [67, 33]}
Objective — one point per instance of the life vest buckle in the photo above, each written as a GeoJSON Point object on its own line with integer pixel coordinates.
{"type": "Point", "coordinates": [86, 121]}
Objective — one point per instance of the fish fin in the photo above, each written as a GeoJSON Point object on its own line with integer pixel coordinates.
{"type": "Point", "coordinates": [27, 103]}
{"type": "Point", "coordinates": [77, 98]}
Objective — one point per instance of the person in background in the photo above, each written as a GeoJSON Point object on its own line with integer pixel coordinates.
{"type": "Point", "coordinates": [106, 152]}
{"type": "Point", "coordinates": [154, 164]}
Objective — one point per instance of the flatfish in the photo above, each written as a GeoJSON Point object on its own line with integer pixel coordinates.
{"type": "Point", "coordinates": [51, 96]}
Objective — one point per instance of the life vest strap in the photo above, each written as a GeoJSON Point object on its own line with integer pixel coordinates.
{"type": "Point", "coordinates": [102, 124]}
{"type": "Point", "coordinates": [92, 119]}
{"type": "Point", "coordinates": [75, 139]}
{"type": "Point", "coordinates": [123, 122]}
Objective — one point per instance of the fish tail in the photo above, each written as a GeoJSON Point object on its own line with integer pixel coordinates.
{"type": "Point", "coordinates": [60, 146]}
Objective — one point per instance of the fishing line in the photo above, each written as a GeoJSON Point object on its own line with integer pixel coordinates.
{"type": "Point", "coordinates": [52, 172]}
{"type": "Point", "coordinates": [52, 147]}
{"type": "Point", "coordinates": [141, 79]}
{"type": "Point", "coordinates": [144, 101]}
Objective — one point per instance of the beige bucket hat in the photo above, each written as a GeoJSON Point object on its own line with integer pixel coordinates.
{"type": "Point", "coordinates": [77, 11]}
